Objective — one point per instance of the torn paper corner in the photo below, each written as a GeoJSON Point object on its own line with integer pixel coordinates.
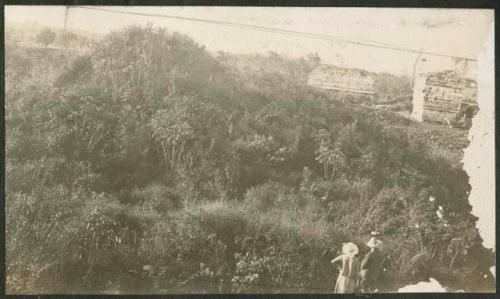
{"type": "Point", "coordinates": [479, 157]}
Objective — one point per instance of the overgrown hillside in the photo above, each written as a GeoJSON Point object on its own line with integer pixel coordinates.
{"type": "Point", "coordinates": [151, 166]}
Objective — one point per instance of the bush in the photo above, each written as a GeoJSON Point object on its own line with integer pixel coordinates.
{"type": "Point", "coordinates": [267, 196]}
{"type": "Point", "coordinates": [46, 37]}
{"type": "Point", "coordinates": [157, 197]}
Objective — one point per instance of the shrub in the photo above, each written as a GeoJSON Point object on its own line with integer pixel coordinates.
{"type": "Point", "coordinates": [267, 196]}
{"type": "Point", "coordinates": [157, 197]}
{"type": "Point", "coordinates": [46, 37]}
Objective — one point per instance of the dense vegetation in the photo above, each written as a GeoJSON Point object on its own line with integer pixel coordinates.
{"type": "Point", "coordinates": [150, 165]}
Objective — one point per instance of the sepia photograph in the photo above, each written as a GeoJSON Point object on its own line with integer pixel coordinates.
{"type": "Point", "coordinates": [249, 150]}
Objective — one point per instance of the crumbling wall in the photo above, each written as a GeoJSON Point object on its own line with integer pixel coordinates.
{"type": "Point", "coordinates": [332, 77]}
{"type": "Point", "coordinates": [444, 97]}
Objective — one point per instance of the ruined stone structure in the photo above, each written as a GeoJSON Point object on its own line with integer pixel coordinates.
{"type": "Point", "coordinates": [448, 96]}
{"type": "Point", "coordinates": [445, 97]}
{"type": "Point", "coordinates": [342, 79]}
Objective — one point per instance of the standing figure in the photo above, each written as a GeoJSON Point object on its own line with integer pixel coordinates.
{"type": "Point", "coordinates": [372, 267]}
{"type": "Point", "coordinates": [347, 280]}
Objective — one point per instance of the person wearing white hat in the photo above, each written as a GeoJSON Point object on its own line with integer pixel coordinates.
{"type": "Point", "coordinates": [349, 271]}
{"type": "Point", "coordinates": [374, 243]}
{"type": "Point", "coordinates": [372, 266]}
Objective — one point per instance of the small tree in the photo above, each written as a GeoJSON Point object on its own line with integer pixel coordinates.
{"type": "Point", "coordinates": [46, 37]}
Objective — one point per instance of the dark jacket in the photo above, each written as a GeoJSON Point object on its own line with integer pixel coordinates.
{"type": "Point", "coordinates": [373, 262]}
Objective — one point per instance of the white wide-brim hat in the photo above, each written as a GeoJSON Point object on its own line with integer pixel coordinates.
{"type": "Point", "coordinates": [374, 243]}
{"type": "Point", "coordinates": [350, 249]}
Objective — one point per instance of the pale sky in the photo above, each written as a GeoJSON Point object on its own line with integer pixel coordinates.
{"type": "Point", "coordinates": [457, 32]}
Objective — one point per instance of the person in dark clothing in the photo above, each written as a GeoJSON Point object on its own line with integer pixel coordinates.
{"type": "Point", "coordinates": [372, 267]}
